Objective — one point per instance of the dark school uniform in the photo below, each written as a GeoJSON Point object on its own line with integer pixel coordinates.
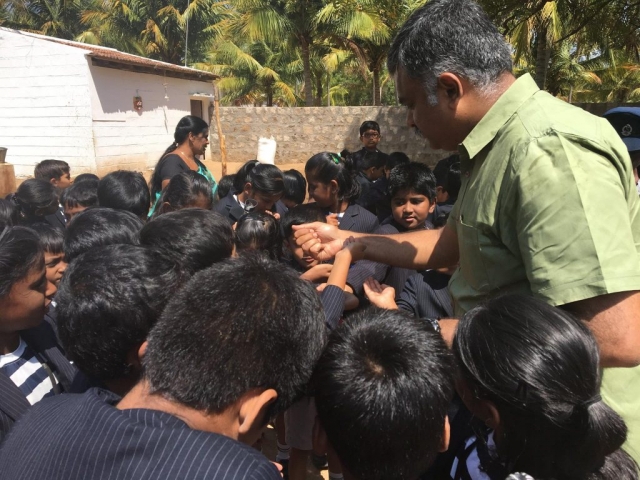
{"type": "Point", "coordinates": [42, 342]}
{"type": "Point", "coordinates": [374, 197]}
{"type": "Point", "coordinates": [357, 219]}
{"type": "Point", "coordinates": [57, 220]}
{"type": "Point", "coordinates": [230, 208]}
{"type": "Point", "coordinates": [426, 295]}
{"type": "Point", "coordinates": [77, 437]}
{"type": "Point", "coordinates": [393, 276]}
{"type": "Point", "coordinates": [358, 155]}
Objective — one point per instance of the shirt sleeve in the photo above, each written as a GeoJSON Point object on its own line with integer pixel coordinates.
{"type": "Point", "coordinates": [172, 166]}
{"type": "Point", "coordinates": [576, 219]}
{"type": "Point", "coordinates": [408, 300]}
{"type": "Point", "coordinates": [332, 299]}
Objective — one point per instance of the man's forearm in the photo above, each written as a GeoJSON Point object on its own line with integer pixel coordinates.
{"type": "Point", "coordinates": [415, 250]}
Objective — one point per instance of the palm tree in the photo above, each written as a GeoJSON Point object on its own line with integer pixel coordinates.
{"type": "Point", "coordinates": [57, 18]}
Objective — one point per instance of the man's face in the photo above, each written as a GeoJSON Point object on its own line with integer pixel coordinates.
{"type": "Point", "coordinates": [411, 209]}
{"type": "Point", "coordinates": [370, 139]}
{"type": "Point", "coordinates": [431, 121]}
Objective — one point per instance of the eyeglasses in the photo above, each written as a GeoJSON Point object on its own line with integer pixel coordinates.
{"type": "Point", "coordinates": [371, 135]}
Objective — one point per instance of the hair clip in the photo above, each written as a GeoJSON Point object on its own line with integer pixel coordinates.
{"type": "Point", "coordinates": [335, 158]}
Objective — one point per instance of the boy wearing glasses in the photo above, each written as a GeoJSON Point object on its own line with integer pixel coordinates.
{"type": "Point", "coordinates": [370, 163]}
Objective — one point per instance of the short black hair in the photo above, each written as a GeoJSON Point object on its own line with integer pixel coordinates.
{"type": "Point", "coordinates": [263, 177]}
{"type": "Point", "coordinates": [295, 186]}
{"type": "Point", "coordinates": [48, 169]}
{"type": "Point", "coordinates": [412, 176]}
{"type": "Point", "coordinates": [441, 168]}
{"type": "Point", "coordinates": [299, 215]}
{"type": "Point", "coordinates": [225, 185]}
{"type": "Point", "coordinates": [259, 232]}
{"type": "Point", "coordinates": [369, 125]}
{"type": "Point", "coordinates": [108, 300]}
{"type": "Point", "coordinates": [51, 238]}
{"type": "Point", "coordinates": [125, 190]}
{"type": "Point", "coordinates": [20, 253]}
{"type": "Point", "coordinates": [453, 181]}
{"type": "Point", "coordinates": [246, 323]}
{"type": "Point", "coordinates": [371, 159]}
{"type": "Point", "coordinates": [396, 158]}
{"type": "Point", "coordinates": [80, 194]}
{"type": "Point", "coordinates": [196, 238]}
{"type": "Point", "coordinates": [9, 213]}
{"type": "Point", "coordinates": [183, 191]}
{"type": "Point", "coordinates": [86, 176]}
{"type": "Point", "coordinates": [97, 227]}
{"type": "Point", "coordinates": [384, 371]}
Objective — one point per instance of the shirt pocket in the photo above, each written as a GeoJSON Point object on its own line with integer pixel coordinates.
{"type": "Point", "coordinates": [472, 266]}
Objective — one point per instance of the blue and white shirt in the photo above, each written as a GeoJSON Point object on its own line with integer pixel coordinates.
{"type": "Point", "coordinates": [28, 373]}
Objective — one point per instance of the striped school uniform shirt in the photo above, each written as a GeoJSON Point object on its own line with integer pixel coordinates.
{"type": "Point", "coordinates": [79, 437]}
{"type": "Point", "coordinates": [28, 373]}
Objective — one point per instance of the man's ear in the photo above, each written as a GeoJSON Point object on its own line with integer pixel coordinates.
{"type": "Point", "coordinates": [142, 350]}
{"type": "Point", "coordinates": [452, 86]}
{"type": "Point", "coordinates": [446, 435]}
{"type": "Point", "coordinates": [254, 407]}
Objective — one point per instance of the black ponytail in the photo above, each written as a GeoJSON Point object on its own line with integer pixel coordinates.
{"type": "Point", "coordinates": [187, 124]}
{"type": "Point", "coordinates": [263, 177]}
{"type": "Point", "coordinates": [328, 166]}
{"type": "Point", "coordinates": [34, 195]}
{"type": "Point", "coordinates": [540, 367]}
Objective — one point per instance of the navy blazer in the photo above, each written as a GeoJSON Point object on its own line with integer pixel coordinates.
{"type": "Point", "coordinates": [426, 295]}
{"type": "Point", "coordinates": [358, 219]}
{"type": "Point", "coordinates": [230, 208]}
{"type": "Point", "coordinates": [42, 340]}
{"type": "Point", "coordinates": [57, 219]}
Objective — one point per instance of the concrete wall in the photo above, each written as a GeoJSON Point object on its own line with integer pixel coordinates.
{"type": "Point", "coordinates": [45, 111]}
{"type": "Point", "coordinates": [304, 131]}
{"type": "Point", "coordinates": [127, 139]}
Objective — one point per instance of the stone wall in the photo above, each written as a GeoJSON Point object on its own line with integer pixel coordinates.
{"type": "Point", "coordinates": [304, 131]}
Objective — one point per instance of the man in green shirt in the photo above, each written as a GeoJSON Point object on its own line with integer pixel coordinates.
{"type": "Point", "coordinates": [548, 204]}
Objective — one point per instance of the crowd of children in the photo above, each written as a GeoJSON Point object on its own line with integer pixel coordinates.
{"type": "Point", "coordinates": [153, 331]}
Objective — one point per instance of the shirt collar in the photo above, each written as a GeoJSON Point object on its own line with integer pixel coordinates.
{"type": "Point", "coordinates": [498, 115]}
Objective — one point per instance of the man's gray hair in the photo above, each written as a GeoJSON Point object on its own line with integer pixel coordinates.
{"type": "Point", "coordinates": [453, 36]}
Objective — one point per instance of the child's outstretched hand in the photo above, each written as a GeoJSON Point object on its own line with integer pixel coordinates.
{"type": "Point", "coordinates": [382, 296]}
{"type": "Point", "coordinates": [355, 248]}
{"type": "Point", "coordinates": [317, 273]}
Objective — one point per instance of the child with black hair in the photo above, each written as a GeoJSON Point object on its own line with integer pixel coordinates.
{"type": "Point", "coordinates": [225, 356]}
{"type": "Point", "coordinates": [186, 190]}
{"type": "Point", "coordinates": [370, 170]}
{"type": "Point", "coordinates": [109, 299]}
{"type": "Point", "coordinates": [333, 186]}
{"type": "Point", "coordinates": [32, 366]}
{"type": "Point", "coordinates": [370, 138]}
{"type": "Point", "coordinates": [125, 190]}
{"type": "Point", "coordinates": [531, 375]}
{"type": "Point", "coordinates": [37, 201]}
{"type": "Point", "coordinates": [196, 238]}
{"type": "Point", "coordinates": [86, 176]}
{"type": "Point", "coordinates": [412, 189]}
{"type": "Point", "coordinates": [98, 227]}
{"type": "Point", "coordinates": [256, 187]}
{"type": "Point", "coordinates": [378, 194]}
{"type": "Point", "coordinates": [78, 197]}
{"type": "Point", "coordinates": [382, 372]}
{"type": "Point", "coordinates": [9, 213]}
{"type": "Point", "coordinates": [225, 185]}
{"type": "Point", "coordinates": [295, 188]}
{"type": "Point", "coordinates": [448, 181]}
{"type": "Point", "coordinates": [56, 172]}
{"type": "Point", "coordinates": [259, 232]}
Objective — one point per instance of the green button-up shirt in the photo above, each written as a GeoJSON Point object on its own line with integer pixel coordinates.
{"type": "Point", "coordinates": [548, 206]}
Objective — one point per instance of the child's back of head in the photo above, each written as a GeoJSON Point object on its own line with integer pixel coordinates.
{"type": "Point", "coordinates": [98, 227]}
{"type": "Point", "coordinates": [260, 232]}
{"type": "Point", "coordinates": [225, 185]}
{"type": "Point", "coordinates": [86, 176]}
{"type": "Point", "coordinates": [382, 389]}
{"type": "Point", "coordinates": [35, 199]}
{"type": "Point", "coordinates": [447, 173]}
{"type": "Point", "coordinates": [125, 190]}
{"type": "Point", "coordinates": [78, 197]}
{"type": "Point", "coordinates": [9, 214]}
{"type": "Point", "coordinates": [295, 188]}
{"type": "Point", "coordinates": [108, 300]}
{"type": "Point", "coordinates": [538, 368]}
{"type": "Point", "coordinates": [196, 238]}
{"type": "Point", "coordinates": [186, 190]}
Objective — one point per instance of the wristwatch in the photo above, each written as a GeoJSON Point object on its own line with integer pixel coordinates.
{"type": "Point", "coordinates": [434, 323]}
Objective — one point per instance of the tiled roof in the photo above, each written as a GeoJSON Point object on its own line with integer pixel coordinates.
{"type": "Point", "coordinates": [115, 57]}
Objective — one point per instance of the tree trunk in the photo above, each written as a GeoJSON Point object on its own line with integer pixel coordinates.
{"type": "Point", "coordinates": [570, 93]}
{"type": "Point", "coordinates": [269, 97]}
{"type": "Point", "coordinates": [306, 63]}
{"type": "Point", "coordinates": [328, 89]}
{"type": "Point", "coordinates": [543, 55]}
{"type": "Point", "coordinates": [376, 86]}
{"type": "Point", "coordinates": [319, 91]}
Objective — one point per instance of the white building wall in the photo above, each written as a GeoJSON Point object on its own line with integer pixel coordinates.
{"type": "Point", "coordinates": [125, 138]}
{"type": "Point", "coordinates": [45, 109]}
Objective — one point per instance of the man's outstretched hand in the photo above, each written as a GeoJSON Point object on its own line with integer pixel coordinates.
{"type": "Point", "coordinates": [321, 240]}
